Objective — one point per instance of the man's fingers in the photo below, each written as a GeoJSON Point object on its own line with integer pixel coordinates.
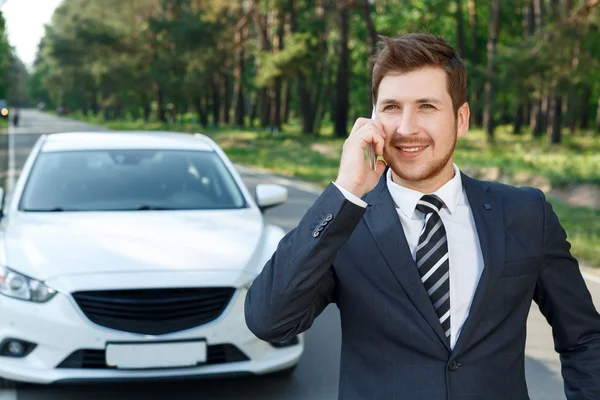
{"type": "Point", "coordinates": [379, 127]}
{"type": "Point", "coordinates": [359, 124]}
{"type": "Point", "coordinates": [381, 165]}
{"type": "Point", "coordinates": [379, 145]}
{"type": "Point", "coordinates": [370, 136]}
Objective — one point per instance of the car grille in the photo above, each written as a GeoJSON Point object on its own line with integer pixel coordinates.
{"type": "Point", "coordinates": [96, 359]}
{"type": "Point", "coordinates": [154, 311]}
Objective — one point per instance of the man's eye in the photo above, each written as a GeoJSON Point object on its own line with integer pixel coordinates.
{"type": "Point", "coordinates": [389, 107]}
{"type": "Point", "coordinates": [427, 106]}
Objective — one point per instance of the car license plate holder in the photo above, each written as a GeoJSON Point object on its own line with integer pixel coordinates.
{"type": "Point", "coordinates": [156, 354]}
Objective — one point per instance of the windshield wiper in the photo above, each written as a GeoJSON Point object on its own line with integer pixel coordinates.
{"type": "Point", "coordinates": [153, 207]}
{"type": "Point", "coordinates": [55, 209]}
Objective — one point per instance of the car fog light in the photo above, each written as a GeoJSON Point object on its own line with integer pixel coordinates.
{"type": "Point", "coordinates": [16, 348]}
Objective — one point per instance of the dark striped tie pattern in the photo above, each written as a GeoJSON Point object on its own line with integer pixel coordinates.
{"type": "Point", "coordinates": [432, 259]}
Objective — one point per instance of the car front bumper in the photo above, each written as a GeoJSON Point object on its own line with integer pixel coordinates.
{"type": "Point", "coordinates": [69, 347]}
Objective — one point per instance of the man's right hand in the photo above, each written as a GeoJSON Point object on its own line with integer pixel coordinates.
{"type": "Point", "coordinates": [355, 175]}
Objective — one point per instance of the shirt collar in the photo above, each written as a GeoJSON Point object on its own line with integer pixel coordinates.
{"type": "Point", "coordinates": [406, 199]}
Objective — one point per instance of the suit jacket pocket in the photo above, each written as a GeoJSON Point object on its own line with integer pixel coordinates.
{"type": "Point", "coordinates": [521, 267]}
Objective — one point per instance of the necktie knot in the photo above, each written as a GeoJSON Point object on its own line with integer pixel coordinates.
{"type": "Point", "coordinates": [429, 204]}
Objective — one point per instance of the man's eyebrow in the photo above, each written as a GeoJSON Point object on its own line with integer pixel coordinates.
{"type": "Point", "coordinates": [419, 101]}
{"type": "Point", "coordinates": [428, 100]}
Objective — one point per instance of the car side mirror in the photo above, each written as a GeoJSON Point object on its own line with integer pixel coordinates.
{"type": "Point", "coordinates": [270, 195]}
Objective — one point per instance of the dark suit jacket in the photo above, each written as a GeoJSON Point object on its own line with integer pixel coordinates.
{"type": "Point", "coordinates": [393, 346]}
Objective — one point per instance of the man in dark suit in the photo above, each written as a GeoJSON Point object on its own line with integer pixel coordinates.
{"type": "Point", "coordinates": [433, 272]}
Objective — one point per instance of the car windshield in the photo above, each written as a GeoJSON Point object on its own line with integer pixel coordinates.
{"type": "Point", "coordinates": [114, 180]}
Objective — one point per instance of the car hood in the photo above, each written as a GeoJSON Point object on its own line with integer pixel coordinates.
{"type": "Point", "coordinates": [50, 245]}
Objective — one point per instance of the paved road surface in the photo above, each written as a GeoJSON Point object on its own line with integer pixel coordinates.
{"type": "Point", "coordinates": [317, 375]}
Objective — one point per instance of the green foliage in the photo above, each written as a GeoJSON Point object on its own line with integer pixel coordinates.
{"type": "Point", "coordinates": [5, 57]}
{"type": "Point", "coordinates": [301, 51]}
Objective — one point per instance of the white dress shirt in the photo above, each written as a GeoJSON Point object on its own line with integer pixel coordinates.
{"type": "Point", "coordinates": [465, 257]}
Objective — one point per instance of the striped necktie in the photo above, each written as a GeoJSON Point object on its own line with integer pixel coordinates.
{"type": "Point", "coordinates": [432, 259]}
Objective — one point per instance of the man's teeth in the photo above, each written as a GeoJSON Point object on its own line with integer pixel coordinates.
{"type": "Point", "coordinates": [412, 149]}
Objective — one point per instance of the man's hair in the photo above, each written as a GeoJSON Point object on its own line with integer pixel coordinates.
{"type": "Point", "coordinates": [414, 51]}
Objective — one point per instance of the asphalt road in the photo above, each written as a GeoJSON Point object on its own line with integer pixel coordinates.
{"type": "Point", "coordinates": [316, 377]}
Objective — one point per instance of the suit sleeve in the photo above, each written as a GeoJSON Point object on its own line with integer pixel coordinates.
{"type": "Point", "coordinates": [565, 301]}
{"type": "Point", "coordinates": [298, 282]}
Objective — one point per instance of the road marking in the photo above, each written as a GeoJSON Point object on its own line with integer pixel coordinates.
{"type": "Point", "coordinates": [10, 180]}
{"type": "Point", "coordinates": [592, 278]}
{"type": "Point", "coordinates": [8, 394]}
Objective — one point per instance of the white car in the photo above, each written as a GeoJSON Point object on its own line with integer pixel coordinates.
{"type": "Point", "coordinates": [127, 255]}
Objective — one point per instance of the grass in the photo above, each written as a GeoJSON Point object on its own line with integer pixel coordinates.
{"type": "Point", "coordinates": [3, 123]}
{"type": "Point", "coordinates": [583, 230]}
{"type": "Point", "coordinates": [316, 159]}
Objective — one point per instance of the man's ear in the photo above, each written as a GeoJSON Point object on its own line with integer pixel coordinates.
{"type": "Point", "coordinates": [462, 120]}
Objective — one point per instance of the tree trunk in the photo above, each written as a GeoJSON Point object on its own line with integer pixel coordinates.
{"type": "Point", "coordinates": [529, 18]}
{"type": "Point", "coordinates": [522, 99]}
{"type": "Point", "coordinates": [264, 104]}
{"type": "Point", "coordinates": [343, 76]}
{"type": "Point", "coordinates": [147, 110]}
{"type": "Point", "coordinates": [473, 26]}
{"type": "Point", "coordinates": [460, 29]}
{"type": "Point", "coordinates": [585, 103]}
{"type": "Point", "coordinates": [488, 114]}
{"type": "Point", "coordinates": [540, 105]}
{"type": "Point", "coordinates": [537, 14]}
{"type": "Point", "coordinates": [238, 73]}
{"type": "Point", "coordinates": [278, 44]}
{"type": "Point", "coordinates": [238, 92]}
{"type": "Point", "coordinates": [94, 104]}
{"type": "Point", "coordinates": [598, 117]}
{"type": "Point", "coordinates": [119, 109]}
{"type": "Point", "coordinates": [555, 114]}
{"type": "Point", "coordinates": [535, 118]}
{"type": "Point", "coordinates": [201, 111]}
{"type": "Point", "coordinates": [254, 109]}
{"type": "Point", "coordinates": [573, 109]}
{"type": "Point", "coordinates": [518, 124]}
{"type": "Point", "coordinates": [541, 117]}
{"type": "Point", "coordinates": [372, 40]}
{"type": "Point", "coordinates": [216, 100]}
{"type": "Point", "coordinates": [285, 103]}
{"type": "Point", "coordinates": [476, 94]}
{"type": "Point", "coordinates": [227, 97]}
{"type": "Point", "coordinates": [160, 111]}
{"type": "Point", "coordinates": [83, 106]}
{"type": "Point", "coordinates": [204, 111]}
{"type": "Point", "coordinates": [306, 110]}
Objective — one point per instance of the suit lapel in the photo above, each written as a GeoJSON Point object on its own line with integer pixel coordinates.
{"type": "Point", "coordinates": [385, 226]}
{"type": "Point", "coordinates": [489, 222]}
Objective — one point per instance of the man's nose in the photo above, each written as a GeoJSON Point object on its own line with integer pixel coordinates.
{"type": "Point", "coordinates": [407, 123]}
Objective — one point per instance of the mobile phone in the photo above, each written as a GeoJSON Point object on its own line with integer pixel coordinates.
{"type": "Point", "coordinates": [371, 149]}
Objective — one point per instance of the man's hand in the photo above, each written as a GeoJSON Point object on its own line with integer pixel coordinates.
{"type": "Point", "coordinates": [355, 175]}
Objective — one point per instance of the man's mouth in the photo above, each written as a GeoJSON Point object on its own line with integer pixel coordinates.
{"type": "Point", "coordinates": [412, 149]}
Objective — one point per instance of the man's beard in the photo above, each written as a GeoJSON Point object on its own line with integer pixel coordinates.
{"type": "Point", "coordinates": [427, 171]}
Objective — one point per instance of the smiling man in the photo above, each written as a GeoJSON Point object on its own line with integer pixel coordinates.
{"type": "Point", "coordinates": [434, 272]}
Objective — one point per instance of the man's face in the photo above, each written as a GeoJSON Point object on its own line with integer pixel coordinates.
{"type": "Point", "coordinates": [416, 112]}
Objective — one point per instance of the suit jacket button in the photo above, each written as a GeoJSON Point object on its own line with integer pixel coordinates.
{"type": "Point", "coordinates": [453, 365]}
{"type": "Point", "coordinates": [328, 217]}
{"type": "Point", "coordinates": [315, 233]}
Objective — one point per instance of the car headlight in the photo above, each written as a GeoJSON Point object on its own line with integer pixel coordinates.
{"type": "Point", "coordinates": [19, 286]}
